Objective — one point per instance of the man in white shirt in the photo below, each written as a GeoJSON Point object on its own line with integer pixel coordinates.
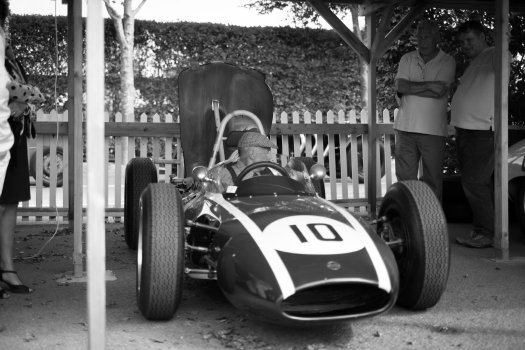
{"type": "Point", "coordinates": [473, 117]}
{"type": "Point", "coordinates": [423, 83]}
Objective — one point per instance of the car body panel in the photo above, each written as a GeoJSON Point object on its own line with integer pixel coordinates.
{"type": "Point", "coordinates": [515, 160]}
{"type": "Point", "coordinates": [279, 247]}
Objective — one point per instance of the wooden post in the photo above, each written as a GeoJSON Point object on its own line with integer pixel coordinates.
{"type": "Point", "coordinates": [371, 21]}
{"type": "Point", "coordinates": [96, 243]}
{"type": "Point", "coordinates": [501, 127]}
{"type": "Point", "coordinates": [74, 87]}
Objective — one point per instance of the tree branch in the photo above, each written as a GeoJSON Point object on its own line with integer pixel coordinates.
{"type": "Point", "coordinates": [139, 7]}
{"type": "Point", "coordinates": [117, 20]}
{"type": "Point", "coordinates": [112, 10]}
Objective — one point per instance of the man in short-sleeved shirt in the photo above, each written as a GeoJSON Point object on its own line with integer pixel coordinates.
{"type": "Point", "coordinates": [473, 117]}
{"type": "Point", "coordinates": [473, 102]}
{"type": "Point", "coordinates": [422, 82]}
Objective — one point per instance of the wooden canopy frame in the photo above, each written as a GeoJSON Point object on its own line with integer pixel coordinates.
{"type": "Point", "coordinates": [378, 42]}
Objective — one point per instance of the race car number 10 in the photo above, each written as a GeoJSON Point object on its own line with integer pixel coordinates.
{"type": "Point", "coordinates": [308, 234]}
{"type": "Point", "coordinates": [334, 236]}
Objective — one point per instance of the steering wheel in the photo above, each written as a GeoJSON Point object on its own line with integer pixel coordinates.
{"type": "Point", "coordinates": [265, 164]}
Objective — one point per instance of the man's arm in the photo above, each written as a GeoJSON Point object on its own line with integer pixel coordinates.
{"type": "Point", "coordinates": [432, 89]}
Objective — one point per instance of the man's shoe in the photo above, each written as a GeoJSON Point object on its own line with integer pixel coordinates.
{"type": "Point", "coordinates": [470, 235]}
{"type": "Point", "coordinates": [476, 240]}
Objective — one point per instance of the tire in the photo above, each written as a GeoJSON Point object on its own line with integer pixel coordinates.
{"type": "Point", "coordinates": [139, 173]}
{"type": "Point", "coordinates": [318, 184]}
{"type": "Point", "coordinates": [160, 253]}
{"type": "Point", "coordinates": [46, 160]}
{"type": "Point", "coordinates": [360, 166]}
{"type": "Point", "coordinates": [415, 216]}
{"type": "Point", "coordinates": [519, 206]}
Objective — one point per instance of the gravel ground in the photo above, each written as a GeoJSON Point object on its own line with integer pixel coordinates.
{"type": "Point", "coordinates": [482, 308]}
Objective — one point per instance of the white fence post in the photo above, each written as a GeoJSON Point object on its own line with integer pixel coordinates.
{"type": "Point", "coordinates": [343, 158]}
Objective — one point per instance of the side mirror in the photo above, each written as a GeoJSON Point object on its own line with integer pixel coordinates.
{"type": "Point", "coordinates": [317, 172]}
{"type": "Point", "coordinates": [200, 173]}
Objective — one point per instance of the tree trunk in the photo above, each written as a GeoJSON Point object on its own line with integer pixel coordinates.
{"type": "Point", "coordinates": [124, 22]}
{"type": "Point", "coordinates": [127, 84]}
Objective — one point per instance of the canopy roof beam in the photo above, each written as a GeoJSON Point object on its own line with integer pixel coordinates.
{"type": "Point", "coordinates": [400, 28]}
{"type": "Point", "coordinates": [340, 28]}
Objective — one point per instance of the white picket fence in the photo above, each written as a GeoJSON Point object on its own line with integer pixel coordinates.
{"type": "Point", "coordinates": [329, 134]}
{"type": "Point", "coordinates": [296, 134]}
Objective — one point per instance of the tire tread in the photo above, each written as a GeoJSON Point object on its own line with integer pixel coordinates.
{"type": "Point", "coordinates": [139, 173]}
{"type": "Point", "coordinates": [425, 291]}
{"type": "Point", "coordinates": [163, 252]}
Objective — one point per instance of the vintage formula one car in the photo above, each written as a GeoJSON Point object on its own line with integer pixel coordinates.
{"type": "Point", "coordinates": [276, 250]}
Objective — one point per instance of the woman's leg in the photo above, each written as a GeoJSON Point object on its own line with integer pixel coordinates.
{"type": "Point", "coordinates": [7, 235]}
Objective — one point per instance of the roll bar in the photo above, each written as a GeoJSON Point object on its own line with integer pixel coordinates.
{"type": "Point", "coordinates": [220, 138]}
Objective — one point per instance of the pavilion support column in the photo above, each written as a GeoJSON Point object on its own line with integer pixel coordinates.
{"type": "Point", "coordinates": [501, 127]}
{"type": "Point", "coordinates": [75, 216]}
{"type": "Point", "coordinates": [96, 232]}
{"type": "Point", "coordinates": [371, 24]}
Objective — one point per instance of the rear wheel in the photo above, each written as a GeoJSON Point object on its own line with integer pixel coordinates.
{"type": "Point", "coordinates": [519, 206]}
{"type": "Point", "coordinates": [160, 254]}
{"type": "Point", "coordinates": [360, 162]}
{"type": "Point", "coordinates": [413, 216]}
{"type": "Point", "coordinates": [139, 173]}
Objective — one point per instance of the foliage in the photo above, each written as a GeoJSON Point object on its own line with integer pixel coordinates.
{"type": "Point", "coordinates": [306, 69]}
{"type": "Point", "coordinates": [299, 13]}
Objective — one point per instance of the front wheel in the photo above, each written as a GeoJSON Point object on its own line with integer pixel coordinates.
{"type": "Point", "coordinates": [160, 253]}
{"type": "Point", "coordinates": [413, 217]}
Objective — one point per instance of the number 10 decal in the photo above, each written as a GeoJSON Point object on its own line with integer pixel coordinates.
{"type": "Point", "coordinates": [321, 231]}
{"type": "Point", "coordinates": [314, 235]}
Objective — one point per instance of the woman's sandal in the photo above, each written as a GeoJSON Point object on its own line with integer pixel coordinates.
{"type": "Point", "coordinates": [4, 294]}
{"type": "Point", "coordinates": [14, 288]}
